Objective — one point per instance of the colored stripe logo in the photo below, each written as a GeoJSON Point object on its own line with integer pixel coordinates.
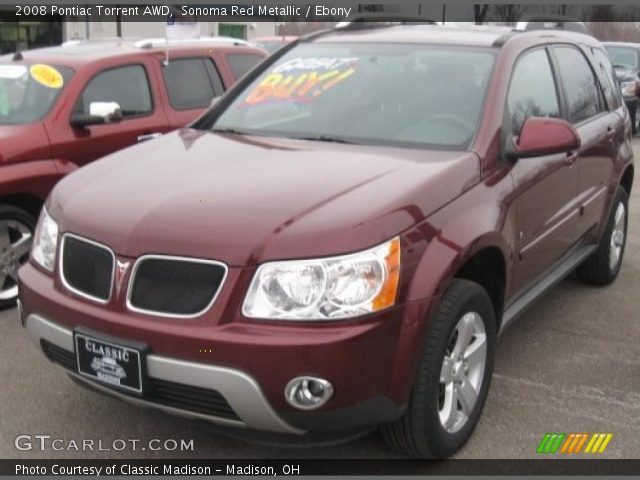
{"type": "Point", "coordinates": [574, 443]}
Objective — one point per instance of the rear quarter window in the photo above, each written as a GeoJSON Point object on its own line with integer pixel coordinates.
{"type": "Point", "coordinates": [192, 82]}
{"type": "Point", "coordinates": [608, 78]}
{"type": "Point", "coordinates": [240, 64]}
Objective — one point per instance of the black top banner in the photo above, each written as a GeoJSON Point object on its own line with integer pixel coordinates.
{"type": "Point", "coordinates": [325, 11]}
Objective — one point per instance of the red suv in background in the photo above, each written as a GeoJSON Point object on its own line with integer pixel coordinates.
{"type": "Point", "coordinates": [63, 107]}
{"type": "Point", "coordinates": [337, 243]}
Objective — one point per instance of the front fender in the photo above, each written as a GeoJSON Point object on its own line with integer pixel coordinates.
{"type": "Point", "coordinates": [35, 178]}
{"type": "Point", "coordinates": [482, 218]}
{"type": "Point", "coordinates": [433, 253]}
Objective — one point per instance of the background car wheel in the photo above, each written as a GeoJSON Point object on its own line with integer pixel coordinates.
{"type": "Point", "coordinates": [16, 235]}
{"type": "Point", "coordinates": [635, 121]}
{"type": "Point", "coordinates": [603, 266]}
{"type": "Point", "coordinates": [453, 376]}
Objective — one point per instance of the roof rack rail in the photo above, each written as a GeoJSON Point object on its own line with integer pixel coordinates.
{"type": "Point", "coordinates": [550, 22]}
{"type": "Point", "coordinates": [161, 42]}
{"type": "Point", "coordinates": [369, 20]}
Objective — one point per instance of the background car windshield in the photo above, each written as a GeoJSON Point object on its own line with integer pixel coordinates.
{"type": "Point", "coordinates": [405, 94]}
{"type": "Point", "coordinates": [625, 57]}
{"type": "Point", "coordinates": [28, 92]}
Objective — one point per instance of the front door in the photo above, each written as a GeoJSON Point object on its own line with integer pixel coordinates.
{"type": "Point", "coordinates": [142, 115]}
{"type": "Point", "coordinates": [546, 206]}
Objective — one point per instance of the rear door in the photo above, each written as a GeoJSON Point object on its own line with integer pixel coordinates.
{"type": "Point", "coordinates": [600, 129]}
{"type": "Point", "coordinates": [546, 186]}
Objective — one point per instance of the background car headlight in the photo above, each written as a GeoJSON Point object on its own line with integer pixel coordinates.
{"type": "Point", "coordinates": [326, 289]}
{"type": "Point", "coordinates": [629, 89]}
{"type": "Point", "coordinates": [45, 242]}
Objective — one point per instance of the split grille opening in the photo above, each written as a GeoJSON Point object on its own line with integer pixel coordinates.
{"type": "Point", "coordinates": [87, 268]}
{"type": "Point", "coordinates": [175, 286]}
{"type": "Point", "coordinates": [160, 285]}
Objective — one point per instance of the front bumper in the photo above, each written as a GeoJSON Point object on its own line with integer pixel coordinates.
{"type": "Point", "coordinates": [370, 361]}
{"type": "Point", "coordinates": [239, 389]}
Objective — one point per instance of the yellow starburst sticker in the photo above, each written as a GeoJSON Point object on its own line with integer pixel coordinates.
{"type": "Point", "coordinates": [46, 75]}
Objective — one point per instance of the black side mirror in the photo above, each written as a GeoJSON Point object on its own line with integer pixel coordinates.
{"type": "Point", "coordinates": [82, 120]}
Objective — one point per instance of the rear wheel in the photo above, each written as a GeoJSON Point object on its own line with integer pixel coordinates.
{"type": "Point", "coordinates": [453, 377]}
{"type": "Point", "coordinates": [16, 234]}
{"type": "Point", "coordinates": [603, 266]}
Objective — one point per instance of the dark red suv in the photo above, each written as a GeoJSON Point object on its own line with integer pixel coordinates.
{"type": "Point", "coordinates": [63, 107]}
{"type": "Point", "coordinates": [336, 244]}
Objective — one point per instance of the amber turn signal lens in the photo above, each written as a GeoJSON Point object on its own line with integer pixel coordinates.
{"type": "Point", "coordinates": [388, 293]}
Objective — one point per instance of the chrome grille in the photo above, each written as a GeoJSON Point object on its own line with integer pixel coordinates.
{"type": "Point", "coordinates": [86, 268]}
{"type": "Point", "coordinates": [174, 286]}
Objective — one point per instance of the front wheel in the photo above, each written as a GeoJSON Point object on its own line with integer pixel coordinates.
{"type": "Point", "coordinates": [16, 235]}
{"type": "Point", "coordinates": [453, 376]}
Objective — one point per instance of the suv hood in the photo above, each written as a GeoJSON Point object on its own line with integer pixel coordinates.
{"type": "Point", "coordinates": [243, 200]}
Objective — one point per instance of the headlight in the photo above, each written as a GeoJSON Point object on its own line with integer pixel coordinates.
{"type": "Point", "coordinates": [629, 89]}
{"type": "Point", "coordinates": [45, 242]}
{"type": "Point", "coordinates": [327, 288]}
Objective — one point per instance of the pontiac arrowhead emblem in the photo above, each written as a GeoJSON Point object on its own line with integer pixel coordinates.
{"type": "Point", "coordinates": [121, 273]}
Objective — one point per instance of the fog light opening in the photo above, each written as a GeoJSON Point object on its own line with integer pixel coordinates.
{"type": "Point", "coordinates": [308, 393]}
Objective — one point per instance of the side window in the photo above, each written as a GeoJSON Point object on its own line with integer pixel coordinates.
{"type": "Point", "coordinates": [532, 92]}
{"type": "Point", "coordinates": [191, 82]}
{"type": "Point", "coordinates": [128, 86]}
{"type": "Point", "coordinates": [608, 77]}
{"type": "Point", "coordinates": [241, 64]}
{"type": "Point", "coordinates": [580, 87]}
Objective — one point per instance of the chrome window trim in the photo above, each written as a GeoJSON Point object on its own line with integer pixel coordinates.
{"type": "Point", "coordinates": [79, 292]}
{"type": "Point", "coordinates": [173, 258]}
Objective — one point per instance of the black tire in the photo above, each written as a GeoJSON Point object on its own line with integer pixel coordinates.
{"type": "Point", "coordinates": [419, 432]}
{"type": "Point", "coordinates": [12, 214]}
{"type": "Point", "coordinates": [598, 268]}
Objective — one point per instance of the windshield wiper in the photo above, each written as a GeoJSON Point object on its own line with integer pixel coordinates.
{"type": "Point", "coordinates": [324, 138]}
{"type": "Point", "coordinates": [234, 131]}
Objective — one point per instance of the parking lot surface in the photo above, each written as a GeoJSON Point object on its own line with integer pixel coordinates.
{"type": "Point", "coordinates": [571, 364]}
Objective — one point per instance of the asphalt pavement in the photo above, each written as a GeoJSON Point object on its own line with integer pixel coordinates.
{"type": "Point", "coordinates": [571, 364]}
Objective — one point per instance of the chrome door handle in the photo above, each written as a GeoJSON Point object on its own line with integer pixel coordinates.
{"type": "Point", "coordinates": [570, 158]}
{"type": "Point", "coordinates": [149, 136]}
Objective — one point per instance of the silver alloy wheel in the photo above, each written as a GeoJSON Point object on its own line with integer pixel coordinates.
{"type": "Point", "coordinates": [15, 243]}
{"type": "Point", "coordinates": [462, 372]}
{"type": "Point", "coordinates": [618, 235]}
{"type": "Point", "coordinates": [636, 121]}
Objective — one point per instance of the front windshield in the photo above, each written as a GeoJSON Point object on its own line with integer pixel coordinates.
{"type": "Point", "coordinates": [393, 94]}
{"type": "Point", "coordinates": [624, 57]}
{"type": "Point", "coordinates": [27, 92]}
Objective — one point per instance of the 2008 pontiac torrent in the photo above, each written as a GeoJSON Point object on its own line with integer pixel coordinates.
{"type": "Point", "coordinates": [336, 244]}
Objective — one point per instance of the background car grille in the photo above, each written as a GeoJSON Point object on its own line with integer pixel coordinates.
{"type": "Point", "coordinates": [172, 286]}
{"type": "Point", "coordinates": [171, 394]}
{"type": "Point", "coordinates": [87, 268]}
